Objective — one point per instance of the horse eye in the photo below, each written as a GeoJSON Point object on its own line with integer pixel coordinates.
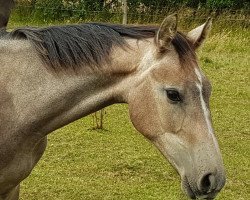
{"type": "Point", "coordinates": [173, 95]}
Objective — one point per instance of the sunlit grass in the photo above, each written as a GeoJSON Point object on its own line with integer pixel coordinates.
{"type": "Point", "coordinates": [226, 60]}
{"type": "Point", "coordinates": [118, 163]}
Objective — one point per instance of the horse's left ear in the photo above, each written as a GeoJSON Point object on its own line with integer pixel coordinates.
{"type": "Point", "coordinates": [199, 34]}
{"type": "Point", "coordinates": [166, 32]}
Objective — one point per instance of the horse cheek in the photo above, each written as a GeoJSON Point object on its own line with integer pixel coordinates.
{"type": "Point", "coordinates": [143, 112]}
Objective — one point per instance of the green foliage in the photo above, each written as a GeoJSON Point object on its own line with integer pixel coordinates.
{"type": "Point", "coordinates": [211, 4]}
{"type": "Point", "coordinates": [221, 4]}
{"type": "Point", "coordinates": [51, 11]}
{"type": "Point", "coordinates": [58, 10]}
{"type": "Point", "coordinates": [95, 5]}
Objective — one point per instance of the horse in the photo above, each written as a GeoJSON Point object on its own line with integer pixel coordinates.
{"type": "Point", "coordinates": [55, 75]}
{"type": "Point", "coordinates": [5, 10]}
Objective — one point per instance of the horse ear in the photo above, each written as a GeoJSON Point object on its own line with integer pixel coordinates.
{"type": "Point", "coordinates": [166, 32]}
{"type": "Point", "coordinates": [199, 34]}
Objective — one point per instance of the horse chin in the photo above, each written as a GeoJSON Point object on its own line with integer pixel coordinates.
{"type": "Point", "coordinates": [187, 188]}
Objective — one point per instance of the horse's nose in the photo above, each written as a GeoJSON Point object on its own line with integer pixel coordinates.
{"type": "Point", "coordinates": [206, 186]}
{"type": "Point", "coordinates": [208, 183]}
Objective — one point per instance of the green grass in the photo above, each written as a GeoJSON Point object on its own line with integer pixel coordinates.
{"type": "Point", "coordinates": [118, 163]}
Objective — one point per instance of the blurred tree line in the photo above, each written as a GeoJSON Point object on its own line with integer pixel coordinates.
{"type": "Point", "coordinates": [97, 5]}
{"type": "Point", "coordinates": [212, 4]}
{"type": "Point", "coordinates": [139, 11]}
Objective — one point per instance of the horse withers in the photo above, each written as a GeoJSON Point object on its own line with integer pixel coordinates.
{"type": "Point", "coordinates": [53, 76]}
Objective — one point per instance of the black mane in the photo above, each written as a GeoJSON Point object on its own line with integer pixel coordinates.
{"type": "Point", "coordinates": [71, 46]}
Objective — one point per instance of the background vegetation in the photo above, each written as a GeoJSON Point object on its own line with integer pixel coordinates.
{"type": "Point", "coordinates": [99, 4]}
{"type": "Point", "coordinates": [140, 11]}
{"type": "Point", "coordinates": [117, 162]}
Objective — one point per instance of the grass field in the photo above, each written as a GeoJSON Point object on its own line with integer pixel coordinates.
{"type": "Point", "coordinates": [118, 163]}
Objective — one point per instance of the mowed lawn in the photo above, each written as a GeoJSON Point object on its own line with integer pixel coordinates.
{"type": "Point", "coordinates": [118, 163]}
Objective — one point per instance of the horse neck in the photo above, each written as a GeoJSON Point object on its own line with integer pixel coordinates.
{"type": "Point", "coordinates": [91, 92]}
{"type": "Point", "coordinates": [70, 98]}
{"type": "Point", "coordinates": [42, 102]}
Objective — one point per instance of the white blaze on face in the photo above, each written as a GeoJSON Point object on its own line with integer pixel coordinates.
{"type": "Point", "coordinates": [204, 107]}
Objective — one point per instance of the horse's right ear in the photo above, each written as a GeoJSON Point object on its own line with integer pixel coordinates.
{"type": "Point", "coordinates": [199, 34]}
{"type": "Point", "coordinates": [166, 32]}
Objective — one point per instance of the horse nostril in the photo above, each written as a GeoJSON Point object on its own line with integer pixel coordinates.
{"type": "Point", "coordinates": [208, 183]}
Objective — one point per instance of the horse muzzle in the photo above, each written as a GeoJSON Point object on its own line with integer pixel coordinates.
{"type": "Point", "coordinates": [206, 187]}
